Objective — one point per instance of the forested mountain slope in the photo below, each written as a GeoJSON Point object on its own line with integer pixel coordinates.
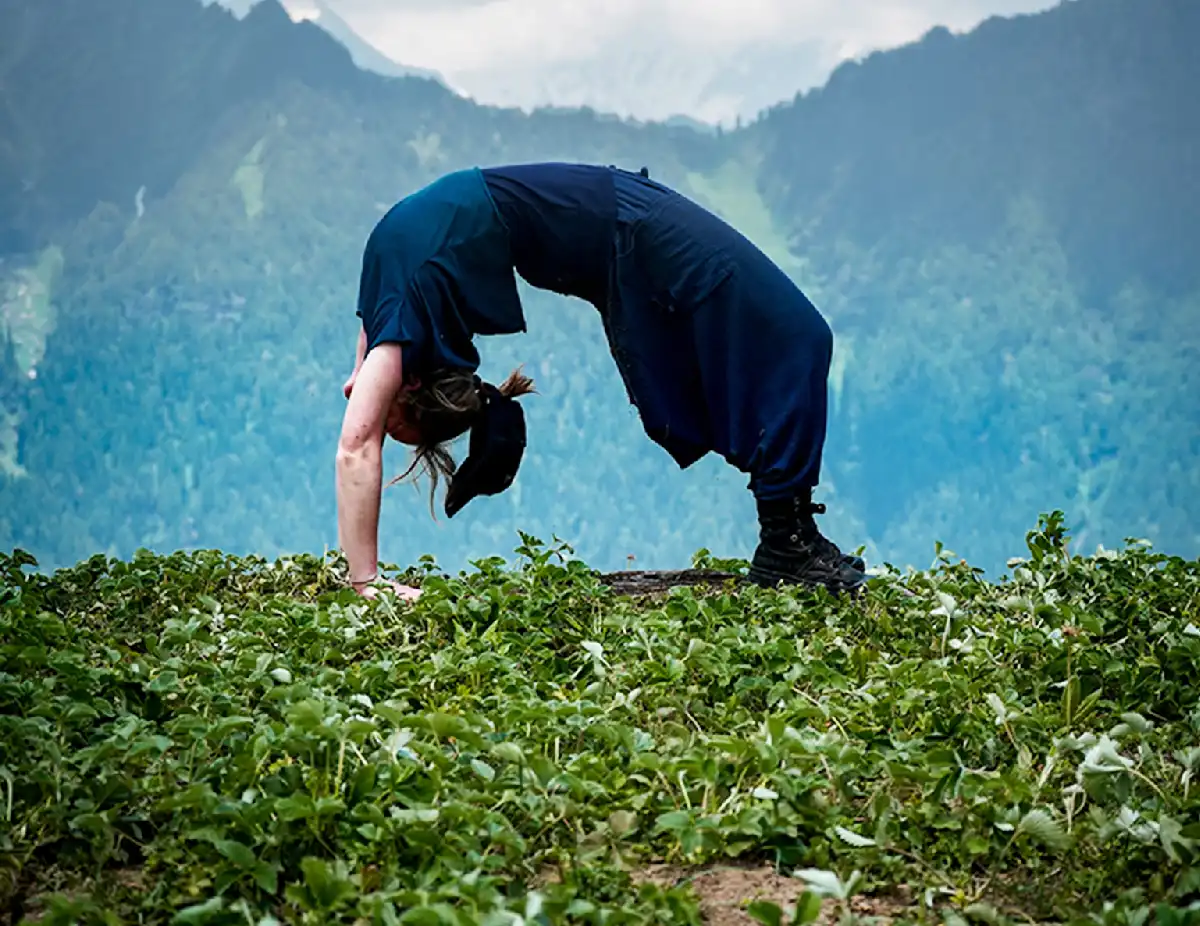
{"type": "Point", "coordinates": [1001, 227]}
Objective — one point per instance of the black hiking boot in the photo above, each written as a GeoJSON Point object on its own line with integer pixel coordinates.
{"type": "Point", "coordinates": [792, 549]}
{"type": "Point", "coordinates": [854, 562]}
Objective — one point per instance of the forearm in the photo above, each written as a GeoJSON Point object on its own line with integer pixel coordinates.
{"type": "Point", "coordinates": [359, 486]}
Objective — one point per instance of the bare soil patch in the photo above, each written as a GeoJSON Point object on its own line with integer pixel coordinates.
{"type": "Point", "coordinates": [725, 891]}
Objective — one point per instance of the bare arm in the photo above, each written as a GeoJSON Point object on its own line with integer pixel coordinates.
{"type": "Point", "coordinates": [360, 459]}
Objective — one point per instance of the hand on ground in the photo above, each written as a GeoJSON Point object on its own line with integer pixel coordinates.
{"type": "Point", "coordinates": [403, 592]}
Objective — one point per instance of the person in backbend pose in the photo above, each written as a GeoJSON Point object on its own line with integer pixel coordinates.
{"type": "Point", "coordinates": [718, 349]}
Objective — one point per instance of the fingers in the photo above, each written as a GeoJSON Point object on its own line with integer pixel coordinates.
{"type": "Point", "coordinates": [403, 592]}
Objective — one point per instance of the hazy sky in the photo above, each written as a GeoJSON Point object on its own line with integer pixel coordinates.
{"type": "Point", "coordinates": [648, 58]}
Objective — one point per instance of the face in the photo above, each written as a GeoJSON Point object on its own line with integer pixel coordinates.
{"type": "Point", "coordinates": [400, 425]}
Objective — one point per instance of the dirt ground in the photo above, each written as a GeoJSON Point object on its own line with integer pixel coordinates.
{"type": "Point", "coordinates": [725, 891]}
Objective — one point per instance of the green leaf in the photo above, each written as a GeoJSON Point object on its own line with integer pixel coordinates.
{"type": "Point", "coordinates": [508, 752]}
{"type": "Point", "coordinates": [823, 883]}
{"type": "Point", "coordinates": [393, 712]}
{"type": "Point", "coordinates": [482, 769]}
{"type": "Point", "coordinates": [1041, 827]}
{"type": "Point", "coordinates": [673, 821]}
{"type": "Point", "coordinates": [766, 912]}
{"type": "Point", "coordinates": [852, 838]}
{"type": "Point", "coordinates": [79, 712]}
{"type": "Point", "coordinates": [977, 845]}
{"type": "Point", "coordinates": [1137, 722]}
{"type": "Point", "coordinates": [238, 853]}
{"type": "Point", "coordinates": [808, 909]}
{"type": "Point", "coordinates": [622, 821]}
{"type": "Point", "coordinates": [1070, 700]}
{"type": "Point", "coordinates": [165, 681]}
{"type": "Point", "coordinates": [415, 815]}
{"type": "Point", "coordinates": [998, 708]}
{"type": "Point", "coordinates": [296, 807]}
{"type": "Point", "coordinates": [198, 914]}
{"type": "Point", "coordinates": [1176, 843]}
{"type": "Point", "coordinates": [328, 882]}
{"type": "Point", "coordinates": [1104, 759]}
{"type": "Point", "coordinates": [983, 913]}
{"type": "Point", "coordinates": [266, 876]}
{"type": "Point", "coordinates": [421, 916]}
{"type": "Point", "coordinates": [363, 783]}
{"type": "Point", "coordinates": [306, 715]}
{"type": "Point", "coordinates": [1187, 884]}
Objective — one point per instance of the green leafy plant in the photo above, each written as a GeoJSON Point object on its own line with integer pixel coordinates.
{"type": "Point", "coordinates": [201, 738]}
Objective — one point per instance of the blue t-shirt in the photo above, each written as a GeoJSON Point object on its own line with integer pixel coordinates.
{"type": "Point", "coordinates": [437, 270]}
{"type": "Point", "coordinates": [561, 219]}
{"type": "Point", "coordinates": [439, 267]}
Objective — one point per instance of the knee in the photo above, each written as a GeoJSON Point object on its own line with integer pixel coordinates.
{"type": "Point", "coordinates": [817, 330]}
{"type": "Point", "coordinates": [822, 337]}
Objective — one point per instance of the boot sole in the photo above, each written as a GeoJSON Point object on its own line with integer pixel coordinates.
{"type": "Point", "coordinates": [769, 578]}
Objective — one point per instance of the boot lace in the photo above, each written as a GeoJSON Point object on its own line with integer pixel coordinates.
{"type": "Point", "coordinates": [824, 546]}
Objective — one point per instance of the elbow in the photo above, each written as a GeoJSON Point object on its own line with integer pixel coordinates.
{"type": "Point", "coordinates": [359, 438]}
{"type": "Point", "coordinates": [356, 451]}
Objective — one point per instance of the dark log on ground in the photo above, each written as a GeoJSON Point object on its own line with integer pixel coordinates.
{"type": "Point", "coordinates": [646, 582]}
{"type": "Point", "coordinates": [651, 582]}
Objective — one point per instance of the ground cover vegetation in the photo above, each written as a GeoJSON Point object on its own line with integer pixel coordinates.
{"type": "Point", "coordinates": [201, 738]}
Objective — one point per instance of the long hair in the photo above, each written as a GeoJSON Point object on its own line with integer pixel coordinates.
{"type": "Point", "coordinates": [445, 407]}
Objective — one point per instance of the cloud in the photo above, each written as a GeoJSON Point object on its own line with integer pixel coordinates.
{"type": "Point", "coordinates": [648, 58]}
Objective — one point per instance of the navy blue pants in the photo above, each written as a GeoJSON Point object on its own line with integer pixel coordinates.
{"type": "Point", "coordinates": [721, 351]}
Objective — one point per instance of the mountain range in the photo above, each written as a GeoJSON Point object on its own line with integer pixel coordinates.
{"type": "Point", "coordinates": [364, 54]}
{"type": "Point", "coordinates": [1002, 227]}
{"type": "Point", "coordinates": [638, 60]}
